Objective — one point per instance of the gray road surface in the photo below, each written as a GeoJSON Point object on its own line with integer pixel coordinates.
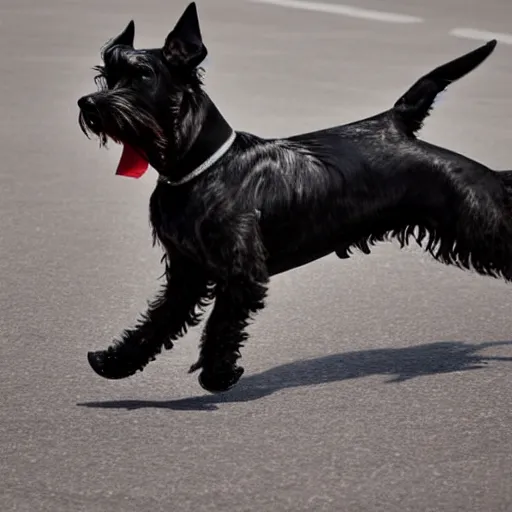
{"type": "Point", "coordinates": [358, 394]}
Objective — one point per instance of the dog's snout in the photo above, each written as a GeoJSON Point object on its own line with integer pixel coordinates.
{"type": "Point", "coordinates": [86, 102]}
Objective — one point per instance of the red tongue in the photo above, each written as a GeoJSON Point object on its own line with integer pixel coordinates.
{"type": "Point", "coordinates": [132, 164]}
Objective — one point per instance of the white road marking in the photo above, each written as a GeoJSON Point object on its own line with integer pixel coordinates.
{"type": "Point", "coordinates": [473, 33]}
{"type": "Point", "coordinates": [344, 10]}
{"type": "Point", "coordinates": [387, 17]}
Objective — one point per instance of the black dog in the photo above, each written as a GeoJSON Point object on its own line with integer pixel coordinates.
{"type": "Point", "coordinates": [232, 209]}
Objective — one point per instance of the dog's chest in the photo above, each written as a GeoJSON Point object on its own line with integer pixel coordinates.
{"type": "Point", "coordinates": [176, 235]}
{"type": "Point", "coordinates": [174, 226]}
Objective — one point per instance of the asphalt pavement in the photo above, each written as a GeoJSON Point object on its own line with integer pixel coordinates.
{"type": "Point", "coordinates": [380, 383]}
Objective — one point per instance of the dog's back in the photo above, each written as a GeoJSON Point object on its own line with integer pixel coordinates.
{"type": "Point", "coordinates": [392, 185]}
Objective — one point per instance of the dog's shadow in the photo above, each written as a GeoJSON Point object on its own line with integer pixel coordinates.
{"type": "Point", "coordinates": [400, 364]}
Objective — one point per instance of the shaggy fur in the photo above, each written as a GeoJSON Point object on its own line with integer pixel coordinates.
{"type": "Point", "coordinates": [269, 206]}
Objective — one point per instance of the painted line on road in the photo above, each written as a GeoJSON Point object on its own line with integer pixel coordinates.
{"type": "Point", "coordinates": [473, 33]}
{"type": "Point", "coordinates": [388, 17]}
{"type": "Point", "coordinates": [344, 10]}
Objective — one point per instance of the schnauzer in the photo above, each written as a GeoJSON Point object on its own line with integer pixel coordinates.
{"type": "Point", "coordinates": [231, 209]}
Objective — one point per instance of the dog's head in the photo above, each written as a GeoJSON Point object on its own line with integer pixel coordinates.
{"type": "Point", "coordinates": [145, 96]}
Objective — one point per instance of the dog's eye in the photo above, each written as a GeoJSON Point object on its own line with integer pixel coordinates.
{"type": "Point", "coordinates": [145, 74]}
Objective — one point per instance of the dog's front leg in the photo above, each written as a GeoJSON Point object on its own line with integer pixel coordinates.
{"type": "Point", "coordinates": [236, 300]}
{"type": "Point", "coordinates": [240, 293]}
{"type": "Point", "coordinates": [177, 307]}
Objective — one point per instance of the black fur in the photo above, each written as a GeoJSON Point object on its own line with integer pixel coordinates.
{"type": "Point", "coordinates": [272, 205]}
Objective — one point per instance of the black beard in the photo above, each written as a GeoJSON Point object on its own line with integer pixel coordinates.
{"type": "Point", "coordinates": [123, 118]}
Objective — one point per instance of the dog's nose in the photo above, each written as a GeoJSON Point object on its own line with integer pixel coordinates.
{"type": "Point", "coordinates": [86, 102]}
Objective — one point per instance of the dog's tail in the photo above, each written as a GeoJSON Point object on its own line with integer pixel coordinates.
{"type": "Point", "coordinates": [415, 105]}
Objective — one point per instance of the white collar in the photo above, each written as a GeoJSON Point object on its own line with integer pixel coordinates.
{"type": "Point", "coordinates": [204, 166]}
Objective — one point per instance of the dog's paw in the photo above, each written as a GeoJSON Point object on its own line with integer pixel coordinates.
{"type": "Point", "coordinates": [220, 380]}
{"type": "Point", "coordinates": [110, 365]}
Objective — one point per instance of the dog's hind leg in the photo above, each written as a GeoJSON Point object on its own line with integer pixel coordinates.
{"type": "Point", "coordinates": [177, 307]}
{"type": "Point", "coordinates": [496, 230]}
{"type": "Point", "coordinates": [471, 223]}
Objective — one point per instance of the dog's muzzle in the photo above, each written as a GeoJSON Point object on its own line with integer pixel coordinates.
{"type": "Point", "coordinates": [86, 103]}
{"type": "Point", "coordinates": [90, 112]}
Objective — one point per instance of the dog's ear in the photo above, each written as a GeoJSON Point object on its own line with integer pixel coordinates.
{"type": "Point", "coordinates": [184, 45]}
{"type": "Point", "coordinates": [125, 38]}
